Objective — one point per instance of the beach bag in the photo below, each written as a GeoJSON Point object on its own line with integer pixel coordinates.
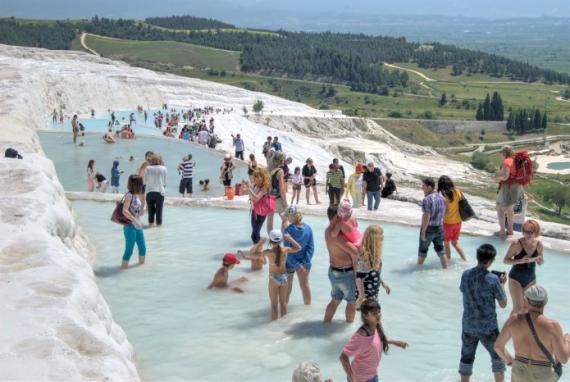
{"type": "Point", "coordinates": [265, 206]}
{"type": "Point", "coordinates": [118, 216]}
{"type": "Point", "coordinates": [524, 169]}
{"type": "Point", "coordinates": [465, 210]}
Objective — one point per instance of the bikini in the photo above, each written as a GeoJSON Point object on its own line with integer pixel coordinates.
{"type": "Point", "coordinates": [279, 278]}
{"type": "Point", "coordinates": [524, 273]}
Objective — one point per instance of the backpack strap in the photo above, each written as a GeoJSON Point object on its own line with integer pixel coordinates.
{"type": "Point", "coordinates": [539, 342]}
{"type": "Point", "coordinates": [365, 328]}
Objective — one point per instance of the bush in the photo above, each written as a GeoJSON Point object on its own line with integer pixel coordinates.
{"type": "Point", "coordinates": [481, 161]}
{"type": "Point", "coordinates": [395, 114]}
{"type": "Point", "coordinates": [324, 106]}
{"type": "Point", "coordinates": [427, 115]}
{"type": "Point", "coordinates": [559, 195]}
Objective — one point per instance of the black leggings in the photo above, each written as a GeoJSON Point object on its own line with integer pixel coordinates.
{"type": "Point", "coordinates": [154, 201]}
{"type": "Point", "coordinates": [256, 224]}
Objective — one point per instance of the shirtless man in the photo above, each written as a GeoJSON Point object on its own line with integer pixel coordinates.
{"type": "Point", "coordinates": [530, 363]}
{"type": "Point", "coordinates": [75, 128]}
{"type": "Point", "coordinates": [257, 260]}
{"type": "Point", "coordinates": [342, 256]}
{"type": "Point", "coordinates": [221, 276]}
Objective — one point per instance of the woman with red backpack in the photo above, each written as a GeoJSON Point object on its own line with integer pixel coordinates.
{"type": "Point", "coordinates": [516, 171]}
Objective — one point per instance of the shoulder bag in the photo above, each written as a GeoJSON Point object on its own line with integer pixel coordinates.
{"type": "Point", "coordinates": [465, 210]}
{"type": "Point", "coordinates": [118, 216]}
{"type": "Point", "coordinates": [557, 366]}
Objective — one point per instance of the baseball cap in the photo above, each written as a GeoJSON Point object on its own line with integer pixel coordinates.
{"type": "Point", "coordinates": [230, 258]}
{"type": "Point", "coordinates": [537, 296]}
{"type": "Point", "coordinates": [275, 236]}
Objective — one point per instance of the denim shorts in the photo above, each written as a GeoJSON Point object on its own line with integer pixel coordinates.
{"type": "Point", "coordinates": [434, 234]}
{"type": "Point", "coordinates": [291, 270]}
{"type": "Point", "coordinates": [343, 285]}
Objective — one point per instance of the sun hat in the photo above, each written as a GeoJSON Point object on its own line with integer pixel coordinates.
{"type": "Point", "coordinates": [344, 209]}
{"type": "Point", "coordinates": [275, 236]}
{"type": "Point", "coordinates": [537, 296]}
{"type": "Point", "coordinates": [230, 258]}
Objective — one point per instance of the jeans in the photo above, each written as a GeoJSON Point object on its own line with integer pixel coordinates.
{"type": "Point", "coordinates": [343, 285]}
{"type": "Point", "coordinates": [239, 154]}
{"type": "Point", "coordinates": [434, 233]}
{"type": "Point", "coordinates": [256, 224]}
{"type": "Point", "coordinates": [334, 195]}
{"type": "Point", "coordinates": [469, 344]}
{"type": "Point", "coordinates": [133, 235]}
{"type": "Point", "coordinates": [369, 196]}
{"type": "Point", "coordinates": [154, 201]}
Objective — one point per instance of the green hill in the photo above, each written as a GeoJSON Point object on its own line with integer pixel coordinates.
{"type": "Point", "coordinates": [175, 53]}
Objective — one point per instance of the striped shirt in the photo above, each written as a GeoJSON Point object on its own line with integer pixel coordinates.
{"type": "Point", "coordinates": [186, 169]}
{"type": "Point", "coordinates": [334, 178]}
{"type": "Point", "coordinates": [434, 205]}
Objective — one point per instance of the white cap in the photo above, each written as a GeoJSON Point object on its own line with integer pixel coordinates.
{"type": "Point", "coordinates": [275, 236]}
{"type": "Point", "coordinates": [537, 296]}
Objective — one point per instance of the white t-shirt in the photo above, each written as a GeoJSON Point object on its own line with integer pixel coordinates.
{"type": "Point", "coordinates": [203, 137]}
{"type": "Point", "coordinates": [155, 179]}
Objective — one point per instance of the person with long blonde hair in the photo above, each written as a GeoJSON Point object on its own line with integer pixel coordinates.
{"type": "Point", "coordinates": [369, 264]}
{"type": "Point", "coordinates": [259, 188]}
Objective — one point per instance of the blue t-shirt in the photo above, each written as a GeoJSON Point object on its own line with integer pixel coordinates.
{"type": "Point", "coordinates": [480, 289]}
{"type": "Point", "coordinates": [303, 236]}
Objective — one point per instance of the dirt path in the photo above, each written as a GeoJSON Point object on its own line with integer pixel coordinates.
{"type": "Point", "coordinates": [84, 45]}
{"type": "Point", "coordinates": [411, 71]}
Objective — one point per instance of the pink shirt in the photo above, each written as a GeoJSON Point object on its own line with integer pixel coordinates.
{"type": "Point", "coordinates": [367, 352]}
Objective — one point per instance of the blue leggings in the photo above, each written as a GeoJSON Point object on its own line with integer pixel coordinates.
{"type": "Point", "coordinates": [132, 236]}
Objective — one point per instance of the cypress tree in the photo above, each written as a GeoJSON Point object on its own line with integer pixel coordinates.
{"type": "Point", "coordinates": [487, 112]}
{"type": "Point", "coordinates": [498, 113]}
{"type": "Point", "coordinates": [536, 120]}
{"type": "Point", "coordinates": [511, 122]}
{"type": "Point", "coordinates": [479, 115]}
{"type": "Point", "coordinates": [443, 100]}
{"type": "Point", "coordinates": [544, 123]}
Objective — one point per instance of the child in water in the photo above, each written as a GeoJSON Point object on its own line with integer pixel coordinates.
{"type": "Point", "coordinates": [369, 265]}
{"type": "Point", "coordinates": [257, 260]}
{"type": "Point", "coordinates": [221, 276]}
{"type": "Point", "coordinates": [278, 271]}
{"type": "Point", "coordinates": [347, 224]}
{"type": "Point", "coordinates": [205, 184]}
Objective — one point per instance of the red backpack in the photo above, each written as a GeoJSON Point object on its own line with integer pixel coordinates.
{"type": "Point", "coordinates": [524, 169]}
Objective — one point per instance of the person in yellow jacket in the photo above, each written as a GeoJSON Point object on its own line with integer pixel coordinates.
{"type": "Point", "coordinates": [452, 218]}
{"type": "Point", "coordinates": [354, 186]}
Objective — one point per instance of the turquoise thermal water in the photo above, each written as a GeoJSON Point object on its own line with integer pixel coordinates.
{"type": "Point", "coordinates": [98, 124]}
{"type": "Point", "coordinates": [71, 161]}
{"type": "Point", "coordinates": [181, 331]}
{"type": "Point", "coordinates": [558, 165]}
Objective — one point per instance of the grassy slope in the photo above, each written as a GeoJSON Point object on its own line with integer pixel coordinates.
{"type": "Point", "coordinates": [175, 53]}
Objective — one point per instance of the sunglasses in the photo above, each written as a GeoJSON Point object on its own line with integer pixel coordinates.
{"type": "Point", "coordinates": [528, 232]}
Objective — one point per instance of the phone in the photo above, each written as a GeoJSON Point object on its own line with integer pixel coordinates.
{"type": "Point", "coordinates": [499, 274]}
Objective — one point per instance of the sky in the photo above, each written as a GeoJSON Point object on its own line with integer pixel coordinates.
{"type": "Point", "coordinates": [236, 10]}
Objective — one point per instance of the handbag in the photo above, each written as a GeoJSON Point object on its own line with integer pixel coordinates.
{"type": "Point", "coordinates": [465, 210]}
{"type": "Point", "coordinates": [265, 206]}
{"type": "Point", "coordinates": [118, 216]}
{"type": "Point", "coordinates": [557, 366]}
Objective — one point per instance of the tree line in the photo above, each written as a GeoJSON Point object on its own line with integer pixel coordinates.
{"type": "Point", "coordinates": [187, 22]}
{"type": "Point", "coordinates": [524, 120]}
{"type": "Point", "coordinates": [491, 109]}
{"type": "Point", "coordinates": [50, 36]}
{"type": "Point", "coordinates": [347, 58]}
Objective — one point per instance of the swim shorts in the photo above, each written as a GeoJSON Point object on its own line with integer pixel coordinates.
{"type": "Point", "coordinates": [451, 232]}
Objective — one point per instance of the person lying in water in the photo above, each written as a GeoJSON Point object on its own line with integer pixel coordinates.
{"type": "Point", "coordinates": [108, 138]}
{"type": "Point", "coordinates": [257, 260]}
{"type": "Point", "coordinates": [221, 276]}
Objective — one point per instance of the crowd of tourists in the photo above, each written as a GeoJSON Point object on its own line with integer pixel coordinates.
{"type": "Point", "coordinates": [356, 258]}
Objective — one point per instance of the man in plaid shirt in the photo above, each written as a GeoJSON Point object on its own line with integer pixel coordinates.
{"type": "Point", "coordinates": [433, 208]}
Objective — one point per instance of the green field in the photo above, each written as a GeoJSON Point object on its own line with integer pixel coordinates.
{"type": "Point", "coordinates": [229, 30]}
{"type": "Point", "coordinates": [174, 53]}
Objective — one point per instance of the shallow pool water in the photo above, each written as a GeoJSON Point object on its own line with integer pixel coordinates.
{"type": "Point", "coordinates": [558, 165]}
{"type": "Point", "coordinates": [71, 160]}
{"type": "Point", "coordinates": [181, 331]}
{"type": "Point", "coordinates": [98, 124]}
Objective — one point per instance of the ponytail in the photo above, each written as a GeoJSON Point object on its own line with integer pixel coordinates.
{"type": "Point", "coordinates": [385, 345]}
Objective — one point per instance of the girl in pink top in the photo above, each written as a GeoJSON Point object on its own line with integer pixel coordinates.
{"type": "Point", "coordinates": [367, 345]}
{"type": "Point", "coordinates": [347, 224]}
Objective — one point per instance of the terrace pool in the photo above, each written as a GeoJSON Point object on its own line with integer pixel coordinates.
{"type": "Point", "coordinates": [558, 165]}
{"type": "Point", "coordinates": [71, 160]}
{"type": "Point", "coordinates": [181, 331]}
